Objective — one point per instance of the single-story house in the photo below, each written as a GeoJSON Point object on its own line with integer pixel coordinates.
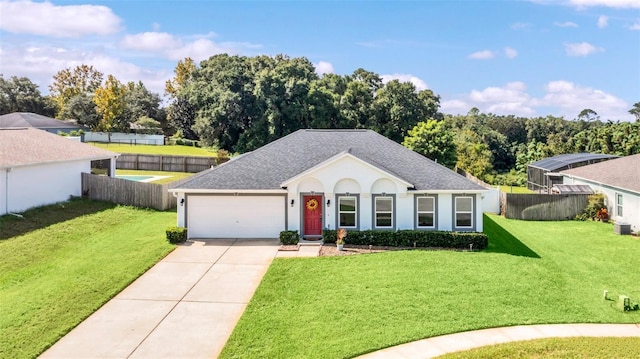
{"type": "Point", "coordinates": [39, 168]}
{"type": "Point", "coordinates": [316, 179]}
{"type": "Point", "coordinates": [33, 120]}
{"type": "Point", "coordinates": [619, 180]}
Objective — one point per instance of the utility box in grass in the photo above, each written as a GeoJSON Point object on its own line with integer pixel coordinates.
{"type": "Point", "coordinates": [622, 228]}
{"type": "Point", "coordinates": [624, 303]}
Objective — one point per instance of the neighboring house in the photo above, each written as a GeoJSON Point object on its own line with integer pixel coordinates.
{"type": "Point", "coordinates": [619, 181]}
{"type": "Point", "coordinates": [28, 119]}
{"type": "Point", "coordinates": [543, 175]}
{"type": "Point", "coordinates": [39, 168]}
{"type": "Point", "coordinates": [315, 179]}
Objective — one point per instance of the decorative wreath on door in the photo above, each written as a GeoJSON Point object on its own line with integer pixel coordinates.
{"type": "Point", "coordinates": [312, 204]}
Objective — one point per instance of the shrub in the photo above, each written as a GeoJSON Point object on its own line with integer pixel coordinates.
{"type": "Point", "coordinates": [222, 156]}
{"type": "Point", "coordinates": [289, 237]}
{"type": "Point", "coordinates": [176, 234]}
{"type": "Point", "coordinates": [411, 238]}
{"type": "Point", "coordinates": [595, 210]}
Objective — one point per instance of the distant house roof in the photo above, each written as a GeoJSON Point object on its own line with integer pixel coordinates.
{"type": "Point", "coordinates": [571, 188]}
{"type": "Point", "coordinates": [28, 119]}
{"type": "Point", "coordinates": [623, 172]}
{"type": "Point", "coordinates": [558, 162]}
{"type": "Point", "coordinates": [271, 165]}
{"type": "Point", "coordinates": [28, 146]}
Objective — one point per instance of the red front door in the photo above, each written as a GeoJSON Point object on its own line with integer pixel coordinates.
{"type": "Point", "coordinates": [312, 215]}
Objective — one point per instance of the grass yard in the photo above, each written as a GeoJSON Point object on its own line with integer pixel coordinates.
{"type": "Point", "coordinates": [173, 176]}
{"type": "Point", "coordinates": [62, 262]}
{"type": "Point", "coordinates": [532, 273]}
{"type": "Point", "coordinates": [559, 348]}
{"type": "Point", "coordinates": [515, 189]}
{"type": "Point", "coordinates": [157, 150]}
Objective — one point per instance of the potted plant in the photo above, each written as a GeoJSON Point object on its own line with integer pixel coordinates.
{"type": "Point", "coordinates": [340, 234]}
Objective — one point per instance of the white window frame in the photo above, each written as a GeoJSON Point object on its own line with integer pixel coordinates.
{"type": "Point", "coordinates": [355, 211]}
{"type": "Point", "coordinates": [456, 212]}
{"type": "Point", "coordinates": [391, 212]}
{"type": "Point", "coordinates": [418, 212]}
{"type": "Point", "coordinates": [619, 205]}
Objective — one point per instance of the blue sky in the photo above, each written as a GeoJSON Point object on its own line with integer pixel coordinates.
{"type": "Point", "coordinates": [529, 58]}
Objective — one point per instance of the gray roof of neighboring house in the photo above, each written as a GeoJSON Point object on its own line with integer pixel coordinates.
{"type": "Point", "coordinates": [28, 119]}
{"type": "Point", "coordinates": [623, 172]}
{"type": "Point", "coordinates": [269, 166]}
{"type": "Point", "coordinates": [560, 161]}
{"type": "Point", "coordinates": [28, 146]}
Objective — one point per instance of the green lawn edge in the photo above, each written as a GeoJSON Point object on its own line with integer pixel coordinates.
{"type": "Point", "coordinates": [58, 271]}
{"type": "Point", "coordinates": [531, 273]}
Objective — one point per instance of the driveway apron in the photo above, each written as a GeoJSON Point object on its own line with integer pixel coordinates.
{"type": "Point", "coordinates": [186, 306]}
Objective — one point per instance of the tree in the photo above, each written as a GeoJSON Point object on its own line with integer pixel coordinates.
{"type": "Point", "coordinates": [68, 83]}
{"type": "Point", "coordinates": [180, 112]}
{"type": "Point", "coordinates": [140, 102]}
{"type": "Point", "coordinates": [110, 102]}
{"type": "Point", "coordinates": [183, 72]}
{"type": "Point", "coordinates": [636, 111]}
{"type": "Point", "coordinates": [433, 140]}
{"type": "Point", "coordinates": [19, 94]}
{"type": "Point", "coordinates": [588, 115]}
{"type": "Point", "coordinates": [82, 109]}
{"type": "Point", "coordinates": [473, 155]}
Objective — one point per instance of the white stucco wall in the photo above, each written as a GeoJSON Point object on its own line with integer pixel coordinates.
{"type": "Point", "coordinates": [348, 174]}
{"type": "Point", "coordinates": [631, 201]}
{"type": "Point", "coordinates": [132, 138]}
{"type": "Point", "coordinates": [42, 184]}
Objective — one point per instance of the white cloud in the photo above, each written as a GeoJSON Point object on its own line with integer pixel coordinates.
{"type": "Point", "coordinates": [510, 53]}
{"type": "Point", "coordinates": [560, 98]}
{"type": "Point", "coordinates": [198, 47]}
{"type": "Point", "coordinates": [416, 81]}
{"type": "Point", "coordinates": [323, 67]}
{"type": "Point", "coordinates": [635, 26]}
{"type": "Point", "coordinates": [619, 4]}
{"type": "Point", "coordinates": [603, 21]}
{"type": "Point", "coordinates": [520, 26]}
{"type": "Point", "coordinates": [581, 49]}
{"type": "Point", "coordinates": [565, 24]}
{"type": "Point", "coordinates": [46, 19]}
{"type": "Point", "coordinates": [482, 55]}
{"type": "Point", "coordinates": [150, 41]}
{"type": "Point", "coordinates": [570, 99]}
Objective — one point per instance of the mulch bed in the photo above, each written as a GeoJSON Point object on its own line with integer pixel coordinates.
{"type": "Point", "coordinates": [328, 250]}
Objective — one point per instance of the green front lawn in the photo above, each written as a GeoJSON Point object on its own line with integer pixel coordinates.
{"type": "Point", "coordinates": [172, 176]}
{"type": "Point", "coordinates": [515, 189]}
{"type": "Point", "coordinates": [532, 273]}
{"type": "Point", "coordinates": [559, 348]}
{"type": "Point", "coordinates": [157, 150]}
{"type": "Point", "coordinates": [62, 262]}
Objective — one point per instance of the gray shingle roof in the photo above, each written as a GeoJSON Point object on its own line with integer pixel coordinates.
{"type": "Point", "coordinates": [267, 167]}
{"type": "Point", "coordinates": [27, 146]}
{"type": "Point", "coordinates": [621, 172]}
{"type": "Point", "coordinates": [28, 119]}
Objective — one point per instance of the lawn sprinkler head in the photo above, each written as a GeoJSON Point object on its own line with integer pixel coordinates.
{"type": "Point", "coordinates": [606, 293]}
{"type": "Point", "coordinates": [471, 247]}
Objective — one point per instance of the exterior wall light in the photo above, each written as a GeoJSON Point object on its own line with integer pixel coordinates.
{"type": "Point", "coordinates": [328, 203]}
{"type": "Point", "coordinates": [292, 202]}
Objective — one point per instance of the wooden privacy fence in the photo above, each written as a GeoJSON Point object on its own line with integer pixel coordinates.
{"type": "Point", "coordinates": [191, 164]}
{"type": "Point", "coordinates": [542, 207]}
{"type": "Point", "coordinates": [131, 193]}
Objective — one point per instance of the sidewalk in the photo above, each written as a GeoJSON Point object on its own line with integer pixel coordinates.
{"type": "Point", "coordinates": [186, 306]}
{"type": "Point", "coordinates": [436, 346]}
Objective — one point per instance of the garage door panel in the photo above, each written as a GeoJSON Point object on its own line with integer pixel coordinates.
{"type": "Point", "coordinates": [235, 216]}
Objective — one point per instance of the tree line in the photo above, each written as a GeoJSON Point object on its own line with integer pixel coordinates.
{"type": "Point", "coordinates": [240, 103]}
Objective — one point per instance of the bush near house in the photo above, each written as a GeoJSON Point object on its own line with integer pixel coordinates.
{"type": "Point", "coordinates": [412, 238]}
{"type": "Point", "coordinates": [176, 234]}
{"type": "Point", "coordinates": [289, 237]}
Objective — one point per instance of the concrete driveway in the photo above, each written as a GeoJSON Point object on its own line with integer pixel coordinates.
{"type": "Point", "coordinates": [186, 306]}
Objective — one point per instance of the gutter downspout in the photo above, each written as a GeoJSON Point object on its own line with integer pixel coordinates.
{"type": "Point", "coordinates": [6, 191]}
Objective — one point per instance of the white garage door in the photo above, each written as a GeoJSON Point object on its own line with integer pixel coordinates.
{"type": "Point", "coordinates": [235, 216]}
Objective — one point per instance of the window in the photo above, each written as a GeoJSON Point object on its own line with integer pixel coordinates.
{"type": "Point", "coordinates": [463, 212]}
{"type": "Point", "coordinates": [425, 212]}
{"type": "Point", "coordinates": [383, 209]}
{"type": "Point", "coordinates": [347, 211]}
{"type": "Point", "coordinates": [618, 205]}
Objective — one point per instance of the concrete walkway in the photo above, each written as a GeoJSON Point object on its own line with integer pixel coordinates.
{"type": "Point", "coordinates": [436, 346]}
{"type": "Point", "coordinates": [186, 306]}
